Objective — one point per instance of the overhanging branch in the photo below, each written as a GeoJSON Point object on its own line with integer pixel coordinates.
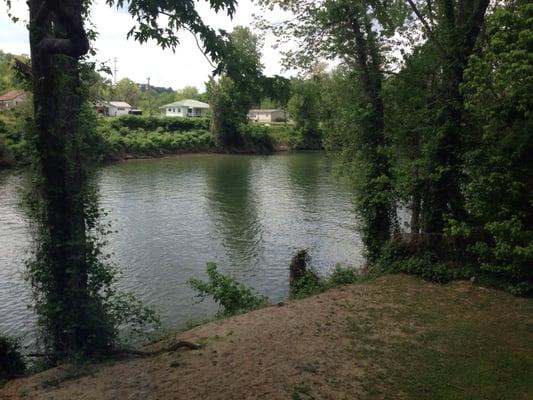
{"type": "Point", "coordinates": [427, 28]}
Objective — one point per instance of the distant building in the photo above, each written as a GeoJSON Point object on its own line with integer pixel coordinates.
{"type": "Point", "coordinates": [117, 108]}
{"type": "Point", "coordinates": [267, 115]}
{"type": "Point", "coordinates": [12, 98]}
{"type": "Point", "coordinates": [114, 108]}
{"type": "Point", "coordinates": [185, 108]}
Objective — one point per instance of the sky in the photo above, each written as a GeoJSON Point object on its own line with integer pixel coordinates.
{"type": "Point", "coordinates": [187, 66]}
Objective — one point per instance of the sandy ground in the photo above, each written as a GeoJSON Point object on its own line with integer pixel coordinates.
{"type": "Point", "coordinates": [305, 349]}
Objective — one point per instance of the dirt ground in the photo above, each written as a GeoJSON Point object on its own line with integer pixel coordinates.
{"type": "Point", "coordinates": [369, 340]}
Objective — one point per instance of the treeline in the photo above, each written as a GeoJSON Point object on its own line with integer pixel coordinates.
{"type": "Point", "coordinates": [429, 114]}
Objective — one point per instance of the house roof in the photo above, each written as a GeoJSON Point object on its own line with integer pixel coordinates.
{"type": "Point", "coordinates": [120, 104]}
{"type": "Point", "coordinates": [265, 110]}
{"type": "Point", "coordinates": [187, 103]}
{"type": "Point", "coordinates": [11, 95]}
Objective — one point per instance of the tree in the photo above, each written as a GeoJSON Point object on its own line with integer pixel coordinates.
{"type": "Point", "coordinates": [128, 91]}
{"type": "Point", "coordinates": [498, 165]}
{"type": "Point", "coordinates": [304, 110]}
{"type": "Point", "coordinates": [354, 32]}
{"type": "Point", "coordinates": [66, 275]}
{"type": "Point", "coordinates": [188, 92]}
{"type": "Point", "coordinates": [452, 27]}
{"type": "Point", "coordinates": [237, 90]}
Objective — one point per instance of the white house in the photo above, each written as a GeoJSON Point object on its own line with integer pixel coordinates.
{"type": "Point", "coordinates": [117, 108]}
{"type": "Point", "coordinates": [267, 115]}
{"type": "Point", "coordinates": [185, 108]}
{"type": "Point", "coordinates": [11, 99]}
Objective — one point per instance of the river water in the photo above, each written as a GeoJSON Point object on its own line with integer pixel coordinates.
{"type": "Point", "coordinates": [171, 216]}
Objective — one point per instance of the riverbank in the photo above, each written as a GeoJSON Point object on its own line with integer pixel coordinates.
{"type": "Point", "coordinates": [392, 337]}
{"type": "Point", "coordinates": [134, 137]}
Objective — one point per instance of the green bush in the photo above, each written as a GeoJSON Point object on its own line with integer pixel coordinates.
{"type": "Point", "coordinates": [424, 259]}
{"type": "Point", "coordinates": [285, 135]}
{"type": "Point", "coordinates": [256, 137]}
{"type": "Point", "coordinates": [116, 142]}
{"type": "Point", "coordinates": [308, 284]}
{"type": "Point", "coordinates": [169, 124]}
{"type": "Point", "coordinates": [343, 276]}
{"type": "Point", "coordinates": [11, 360]}
{"type": "Point", "coordinates": [231, 295]}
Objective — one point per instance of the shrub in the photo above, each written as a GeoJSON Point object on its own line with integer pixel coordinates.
{"type": "Point", "coordinates": [256, 137]}
{"type": "Point", "coordinates": [304, 281]}
{"type": "Point", "coordinates": [425, 259]}
{"type": "Point", "coordinates": [343, 276]}
{"type": "Point", "coordinates": [307, 284]}
{"type": "Point", "coordinates": [231, 295]}
{"type": "Point", "coordinates": [169, 124]}
{"type": "Point", "coordinates": [11, 361]}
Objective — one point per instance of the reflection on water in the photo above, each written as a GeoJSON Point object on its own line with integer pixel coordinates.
{"type": "Point", "coordinates": [171, 216]}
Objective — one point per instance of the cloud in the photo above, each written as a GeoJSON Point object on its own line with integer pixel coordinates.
{"type": "Point", "coordinates": [186, 66]}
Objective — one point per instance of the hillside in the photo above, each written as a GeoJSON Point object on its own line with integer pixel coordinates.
{"type": "Point", "coordinates": [393, 337]}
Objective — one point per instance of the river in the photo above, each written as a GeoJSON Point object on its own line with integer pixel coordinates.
{"type": "Point", "coordinates": [170, 216]}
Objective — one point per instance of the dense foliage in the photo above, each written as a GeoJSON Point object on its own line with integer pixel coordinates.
{"type": "Point", "coordinates": [11, 361]}
{"type": "Point", "coordinates": [442, 133]}
{"type": "Point", "coordinates": [498, 186]}
{"type": "Point", "coordinates": [237, 90]}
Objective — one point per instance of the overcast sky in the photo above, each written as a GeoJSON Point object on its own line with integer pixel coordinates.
{"type": "Point", "coordinates": [187, 66]}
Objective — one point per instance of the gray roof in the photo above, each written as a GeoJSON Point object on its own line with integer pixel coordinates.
{"type": "Point", "coordinates": [187, 103]}
{"type": "Point", "coordinates": [119, 104]}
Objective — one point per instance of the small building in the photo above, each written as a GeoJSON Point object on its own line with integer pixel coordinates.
{"type": "Point", "coordinates": [12, 98]}
{"type": "Point", "coordinates": [272, 115]}
{"type": "Point", "coordinates": [117, 108]}
{"type": "Point", "coordinates": [185, 108]}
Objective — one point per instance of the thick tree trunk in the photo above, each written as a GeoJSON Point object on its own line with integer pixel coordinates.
{"type": "Point", "coordinates": [372, 133]}
{"type": "Point", "coordinates": [57, 103]}
{"type": "Point", "coordinates": [461, 26]}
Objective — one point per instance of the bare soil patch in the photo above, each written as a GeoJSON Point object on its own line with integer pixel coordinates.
{"type": "Point", "coordinates": [391, 338]}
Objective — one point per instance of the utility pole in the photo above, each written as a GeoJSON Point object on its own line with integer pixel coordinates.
{"type": "Point", "coordinates": [148, 83]}
{"type": "Point", "coordinates": [115, 71]}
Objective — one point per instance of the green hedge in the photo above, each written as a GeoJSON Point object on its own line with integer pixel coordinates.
{"type": "Point", "coordinates": [168, 124]}
{"type": "Point", "coordinates": [112, 143]}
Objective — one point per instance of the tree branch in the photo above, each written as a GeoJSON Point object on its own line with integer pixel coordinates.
{"type": "Point", "coordinates": [427, 28]}
{"type": "Point", "coordinates": [177, 345]}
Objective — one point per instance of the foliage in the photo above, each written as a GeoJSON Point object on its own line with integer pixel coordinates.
{"type": "Point", "coordinates": [256, 138]}
{"type": "Point", "coordinates": [8, 75]}
{"type": "Point", "coordinates": [128, 91]}
{"type": "Point", "coordinates": [285, 135]}
{"type": "Point", "coordinates": [231, 295]}
{"type": "Point", "coordinates": [169, 124]}
{"type": "Point", "coordinates": [307, 284]}
{"type": "Point", "coordinates": [343, 276]}
{"type": "Point", "coordinates": [145, 136]}
{"type": "Point", "coordinates": [436, 263]}
{"type": "Point", "coordinates": [237, 89]}
{"type": "Point", "coordinates": [499, 169]}
{"type": "Point", "coordinates": [304, 110]}
{"type": "Point", "coordinates": [11, 360]}
{"type": "Point", "coordinates": [111, 144]}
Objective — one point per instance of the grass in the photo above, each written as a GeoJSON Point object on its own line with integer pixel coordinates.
{"type": "Point", "coordinates": [448, 346]}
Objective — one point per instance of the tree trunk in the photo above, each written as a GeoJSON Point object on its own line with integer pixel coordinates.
{"type": "Point", "coordinates": [460, 34]}
{"type": "Point", "coordinates": [57, 102]}
{"type": "Point", "coordinates": [372, 133]}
